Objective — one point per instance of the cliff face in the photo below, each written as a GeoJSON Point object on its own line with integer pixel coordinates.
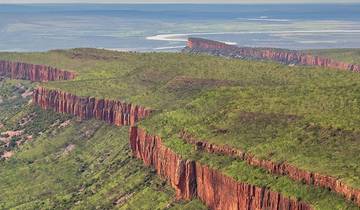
{"type": "Point", "coordinates": [36, 73]}
{"type": "Point", "coordinates": [110, 111]}
{"type": "Point", "coordinates": [191, 179]}
{"type": "Point", "coordinates": [196, 45]}
{"type": "Point", "coordinates": [113, 112]}
{"type": "Point", "coordinates": [286, 169]}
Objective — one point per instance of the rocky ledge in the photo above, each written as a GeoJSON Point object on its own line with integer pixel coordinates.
{"type": "Point", "coordinates": [283, 168]}
{"type": "Point", "coordinates": [33, 72]}
{"type": "Point", "coordinates": [192, 179]}
{"type": "Point", "coordinates": [289, 57]}
{"type": "Point", "coordinates": [111, 111]}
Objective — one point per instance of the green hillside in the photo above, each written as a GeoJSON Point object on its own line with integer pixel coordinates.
{"type": "Point", "coordinates": [306, 116]}
{"type": "Point", "coordinates": [73, 165]}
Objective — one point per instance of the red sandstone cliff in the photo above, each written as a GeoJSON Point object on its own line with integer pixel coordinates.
{"type": "Point", "coordinates": [197, 45]}
{"type": "Point", "coordinates": [110, 111]}
{"type": "Point", "coordinates": [36, 73]}
{"type": "Point", "coordinates": [191, 179]}
{"type": "Point", "coordinates": [284, 168]}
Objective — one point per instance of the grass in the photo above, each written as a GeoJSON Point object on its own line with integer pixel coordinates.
{"type": "Point", "coordinates": [17, 114]}
{"type": "Point", "coordinates": [232, 118]}
{"type": "Point", "coordinates": [11, 101]}
{"type": "Point", "coordinates": [346, 55]}
{"type": "Point", "coordinates": [97, 173]}
{"type": "Point", "coordinates": [84, 165]}
{"type": "Point", "coordinates": [305, 115]}
{"type": "Point", "coordinates": [242, 172]}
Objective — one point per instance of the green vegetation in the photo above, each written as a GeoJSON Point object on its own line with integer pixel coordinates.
{"type": "Point", "coordinates": [19, 116]}
{"type": "Point", "coordinates": [306, 116]}
{"type": "Point", "coordinates": [192, 205]}
{"type": "Point", "coordinates": [231, 117]}
{"type": "Point", "coordinates": [346, 55]}
{"type": "Point", "coordinates": [321, 199]}
{"type": "Point", "coordinates": [68, 164]}
{"type": "Point", "coordinates": [11, 101]}
{"type": "Point", "coordinates": [85, 165]}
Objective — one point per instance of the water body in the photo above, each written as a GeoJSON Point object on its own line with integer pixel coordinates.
{"type": "Point", "coordinates": [165, 27]}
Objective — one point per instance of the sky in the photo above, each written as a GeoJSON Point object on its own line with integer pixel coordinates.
{"type": "Point", "coordinates": [177, 1]}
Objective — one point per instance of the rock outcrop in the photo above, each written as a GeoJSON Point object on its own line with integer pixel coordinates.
{"type": "Point", "coordinates": [283, 168]}
{"type": "Point", "coordinates": [192, 179]}
{"type": "Point", "coordinates": [289, 57]}
{"type": "Point", "coordinates": [111, 111]}
{"type": "Point", "coordinates": [35, 73]}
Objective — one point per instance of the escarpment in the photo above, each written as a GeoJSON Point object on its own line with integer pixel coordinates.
{"type": "Point", "coordinates": [192, 179]}
{"type": "Point", "coordinates": [111, 111]}
{"type": "Point", "coordinates": [197, 45]}
{"type": "Point", "coordinates": [33, 72]}
{"type": "Point", "coordinates": [282, 168]}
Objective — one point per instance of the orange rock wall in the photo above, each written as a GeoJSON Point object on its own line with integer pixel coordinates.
{"type": "Point", "coordinates": [110, 111]}
{"type": "Point", "coordinates": [197, 45]}
{"type": "Point", "coordinates": [192, 179]}
{"type": "Point", "coordinates": [36, 73]}
{"type": "Point", "coordinates": [284, 168]}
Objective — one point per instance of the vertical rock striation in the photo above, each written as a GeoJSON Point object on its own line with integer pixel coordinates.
{"type": "Point", "coordinates": [35, 73]}
{"type": "Point", "coordinates": [191, 179]}
{"type": "Point", "coordinates": [110, 111]}
{"type": "Point", "coordinates": [197, 45]}
{"type": "Point", "coordinates": [283, 168]}
{"type": "Point", "coordinates": [180, 173]}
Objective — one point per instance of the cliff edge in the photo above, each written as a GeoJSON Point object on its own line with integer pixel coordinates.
{"type": "Point", "coordinates": [289, 57]}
